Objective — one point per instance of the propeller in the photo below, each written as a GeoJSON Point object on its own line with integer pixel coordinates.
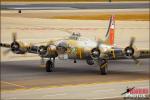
{"type": "Point", "coordinates": [48, 50]}
{"type": "Point", "coordinates": [42, 50]}
{"type": "Point", "coordinates": [14, 46]}
{"type": "Point", "coordinates": [95, 52]}
{"type": "Point", "coordinates": [42, 61]}
{"type": "Point", "coordinates": [129, 51]}
{"type": "Point", "coordinates": [98, 58]}
{"type": "Point", "coordinates": [14, 37]}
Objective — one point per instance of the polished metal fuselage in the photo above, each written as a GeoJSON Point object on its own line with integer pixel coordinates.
{"type": "Point", "coordinates": [80, 48]}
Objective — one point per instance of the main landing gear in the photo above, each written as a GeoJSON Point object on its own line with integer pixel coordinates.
{"type": "Point", "coordinates": [103, 67]}
{"type": "Point", "coordinates": [50, 65]}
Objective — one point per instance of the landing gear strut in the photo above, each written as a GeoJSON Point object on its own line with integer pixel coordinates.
{"type": "Point", "coordinates": [50, 65]}
{"type": "Point", "coordinates": [103, 67]}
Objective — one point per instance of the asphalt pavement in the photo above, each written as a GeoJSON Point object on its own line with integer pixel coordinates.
{"type": "Point", "coordinates": [73, 6]}
{"type": "Point", "coordinates": [28, 80]}
{"type": "Point", "coordinates": [31, 74]}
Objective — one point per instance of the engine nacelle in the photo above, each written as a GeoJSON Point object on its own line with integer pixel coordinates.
{"type": "Point", "coordinates": [90, 61]}
{"type": "Point", "coordinates": [95, 53]}
{"type": "Point", "coordinates": [18, 47]}
{"type": "Point", "coordinates": [42, 50]}
{"type": "Point", "coordinates": [130, 52]}
{"type": "Point", "coordinates": [52, 51]}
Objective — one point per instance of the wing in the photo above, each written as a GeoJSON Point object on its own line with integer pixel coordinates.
{"type": "Point", "coordinates": [6, 45]}
{"type": "Point", "coordinates": [19, 47]}
{"type": "Point", "coordinates": [129, 52]}
{"type": "Point", "coordinates": [116, 54]}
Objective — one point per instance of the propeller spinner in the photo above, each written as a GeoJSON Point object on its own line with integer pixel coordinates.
{"type": "Point", "coordinates": [95, 52]}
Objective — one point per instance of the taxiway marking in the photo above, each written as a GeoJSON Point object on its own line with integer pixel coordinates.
{"type": "Point", "coordinates": [113, 97]}
{"type": "Point", "coordinates": [55, 94]}
{"type": "Point", "coordinates": [104, 91]}
{"type": "Point", "coordinates": [71, 85]}
{"type": "Point", "coordinates": [58, 94]}
{"type": "Point", "coordinates": [13, 84]}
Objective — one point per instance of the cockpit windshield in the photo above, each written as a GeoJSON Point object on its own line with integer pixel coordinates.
{"type": "Point", "coordinates": [75, 36]}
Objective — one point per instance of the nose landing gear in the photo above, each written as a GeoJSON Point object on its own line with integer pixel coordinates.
{"type": "Point", "coordinates": [50, 65]}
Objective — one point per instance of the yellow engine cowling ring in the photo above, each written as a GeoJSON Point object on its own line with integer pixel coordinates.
{"type": "Point", "coordinates": [20, 49]}
{"type": "Point", "coordinates": [52, 51]}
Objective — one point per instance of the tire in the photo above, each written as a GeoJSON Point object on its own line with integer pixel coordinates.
{"type": "Point", "coordinates": [103, 70]}
{"type": "Point", "coordinates": [49, 66]}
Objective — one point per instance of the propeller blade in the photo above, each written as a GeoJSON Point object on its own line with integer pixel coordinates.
{"type": "Point", "coordinates": [6, 52]}
{"type": "Point", "coordinates": [132, 42]}
{"type": "Point", "coordinates": [136, 61]}
{"type": "Point", "coordinates": [42, 61]}
{"type": "Point", "coordinates": [14, 37]}
{"type": "Point", "coordinates": [98, 43]}
{"type": "Point", "coordinates": [30, 45]}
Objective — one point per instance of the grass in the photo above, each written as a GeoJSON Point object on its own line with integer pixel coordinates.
{"type": "Point", "coordinates": [67, 0]}
{"type": "Point", "coordinates": [141, 17]}
{"type": "Point", "coordinates": [82, 15]}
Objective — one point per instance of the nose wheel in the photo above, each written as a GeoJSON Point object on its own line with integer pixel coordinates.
{"type": "Point", "coordinates": [103, 67]}
{"type": "Point", "coordinates": [50, 65]}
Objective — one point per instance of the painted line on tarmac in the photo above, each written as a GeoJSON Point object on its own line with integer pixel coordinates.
{"type": "Point", "coordinates": [60, 94]}
{"type": "Point", "coordinates": [113, 97]}
{"type": "Point", "coordinates": [55, 95]}
{"type": "Point", "coordinates": [70, 85]}
{"type": "Point", "coordinates": [104, 91]}
{"type": "Point", "coordinates": [17, 85]}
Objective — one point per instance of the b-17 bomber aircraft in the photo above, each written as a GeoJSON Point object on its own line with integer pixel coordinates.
{"type": "Point", "coordinates": [77, 47]}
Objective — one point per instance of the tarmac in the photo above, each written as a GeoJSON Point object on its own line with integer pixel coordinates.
{"type": "Point", "coordinates": [23, 77]}
{"type": "Point", "coordinates": [27, 79]}
{"type": "Point", "coordinates": [75, 6]}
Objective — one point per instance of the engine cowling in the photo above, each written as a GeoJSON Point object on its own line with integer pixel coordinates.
{"type": "Point", "coordinates": [18, 47]}
{"type": "Point", "coordinates": [90, 61]}
{"type": "Point", "coordinates": [130, 52]}
{"type": "Point", "coordinates": [95, 53]}
{"type": "Point", "coordinates": [42, 50]}
{"type": "Point", "coordinates": [52, 51]}
{"type": "Point", "coordinates": [48, 51]}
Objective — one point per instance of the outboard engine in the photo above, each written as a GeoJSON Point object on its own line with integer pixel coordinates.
{"type": "Point", "coordinates": [18, 47]}
{"type": "Point", "coordinates": [129, 51]}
